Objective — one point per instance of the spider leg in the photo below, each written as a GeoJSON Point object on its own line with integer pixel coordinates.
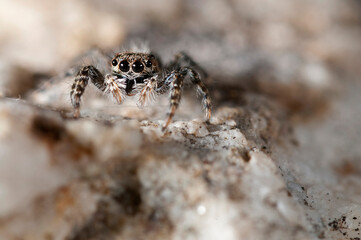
{"type": "Point", "coordinates": [116, 87]}
{"type": "Point", "coordinates": [175, 79]}
{"type": "Point", "coordinates": [80, 82]}
{"type": "Point", "coordinates": [147, 92]}
{"type": "Point", "coordinates": [77, 91]}
{"type": "Point", "coordinates": [107, 84]}
{"type": "Point", "coordinates": [182, 59]}
{"type": "Point", "coordinates": [201, 89]}
{"type": "Point", "coordinates": [188, 66]}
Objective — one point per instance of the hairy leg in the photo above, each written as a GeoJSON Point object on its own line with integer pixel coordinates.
{"type": "Point", "coordinates": [147, 92]}
{"type": "Point", "coordinates": [116, 87]}
{"type": "Point", "coordinates": [81, 81]}
{"type": "Point", "coordinates": [194, 72]}
{"type": "Point", "coordinates": [201, 89]}
{"type": "Point", "coordinates": [185, 64]}
{"type": "Point", "coordinates": [176, 82]}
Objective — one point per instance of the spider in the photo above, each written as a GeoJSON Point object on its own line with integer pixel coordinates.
{"type": "Point", "coordinates": [141, 74]}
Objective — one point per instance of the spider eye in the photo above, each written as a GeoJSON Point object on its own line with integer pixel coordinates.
{"type": "Point", "coordinates": [148, 63]}
{"type": "Point", "coordinates": [114, 62]}
{"type": "Point", "coordinates": [137, 66]}
{"type": "Point", "coordinates": [124, 66]}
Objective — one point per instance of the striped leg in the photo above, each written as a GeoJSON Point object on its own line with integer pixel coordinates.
{"type": "Point", "coordinates": [187, 66]}
{"type": "Point", "coordinates": [201, 89]}
{"type": "Point", "coordinates": [81, 81]}
{"type": "Point", "coordinates": [147, 92]}
{"type": "Point", "coordinates": [115, 87]}
{"type": "Point", "coordinates": [176, 83]}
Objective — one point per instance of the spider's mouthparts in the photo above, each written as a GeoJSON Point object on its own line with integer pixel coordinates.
{"type": "Point", "coordinates": [129, 85]}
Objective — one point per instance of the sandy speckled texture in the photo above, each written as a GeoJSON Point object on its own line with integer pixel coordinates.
{"type": "Point", "coordinates": [279, 159]}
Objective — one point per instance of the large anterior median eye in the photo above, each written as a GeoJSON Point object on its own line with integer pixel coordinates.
{"type": "Point", "coordinates": [124, 66]}
{"type": "Point", "coordinates": [137, 66]}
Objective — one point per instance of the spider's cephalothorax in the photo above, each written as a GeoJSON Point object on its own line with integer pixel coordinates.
{"type": "Point", "coordinates": [142, 75]}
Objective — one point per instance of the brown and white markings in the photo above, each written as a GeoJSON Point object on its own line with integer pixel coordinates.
{"type": "Point", "coordinates": [141, 74]}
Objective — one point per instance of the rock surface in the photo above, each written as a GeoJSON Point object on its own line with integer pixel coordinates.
{"type": "Point", "coordinates": [280, 158]}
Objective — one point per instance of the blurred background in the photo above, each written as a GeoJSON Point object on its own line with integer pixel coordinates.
{"type": "Point", "coordinates": [261, 46]}
{"type": "Point", "coordinates": [302, 55]}
{"type": "Point", "coordinates": [304, 41]}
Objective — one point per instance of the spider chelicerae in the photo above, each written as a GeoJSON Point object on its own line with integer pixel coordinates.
{"type": "Point", "coordinates": [142, 75]}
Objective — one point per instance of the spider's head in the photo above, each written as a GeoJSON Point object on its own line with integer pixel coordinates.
{"type": "Point", "coordinates": [133, 65]}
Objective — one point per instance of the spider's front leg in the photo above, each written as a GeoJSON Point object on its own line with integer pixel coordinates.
{"type": "Point", "coordinates": [109, 84]}
{"type": "Point", "coordinates": [148, 91]}
{"type": "Point", "coordinates": [81, 81]}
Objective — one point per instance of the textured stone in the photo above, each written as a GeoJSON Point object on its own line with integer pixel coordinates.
{"type": "Point", "coordinates": [279, 158]}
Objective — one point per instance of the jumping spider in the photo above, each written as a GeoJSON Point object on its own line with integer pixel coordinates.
{"type": "Point", "coordinates": [141, 74]}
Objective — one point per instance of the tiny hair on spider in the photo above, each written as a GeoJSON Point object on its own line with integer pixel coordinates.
{"type": "Point", "coordinates": [142, 75]}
